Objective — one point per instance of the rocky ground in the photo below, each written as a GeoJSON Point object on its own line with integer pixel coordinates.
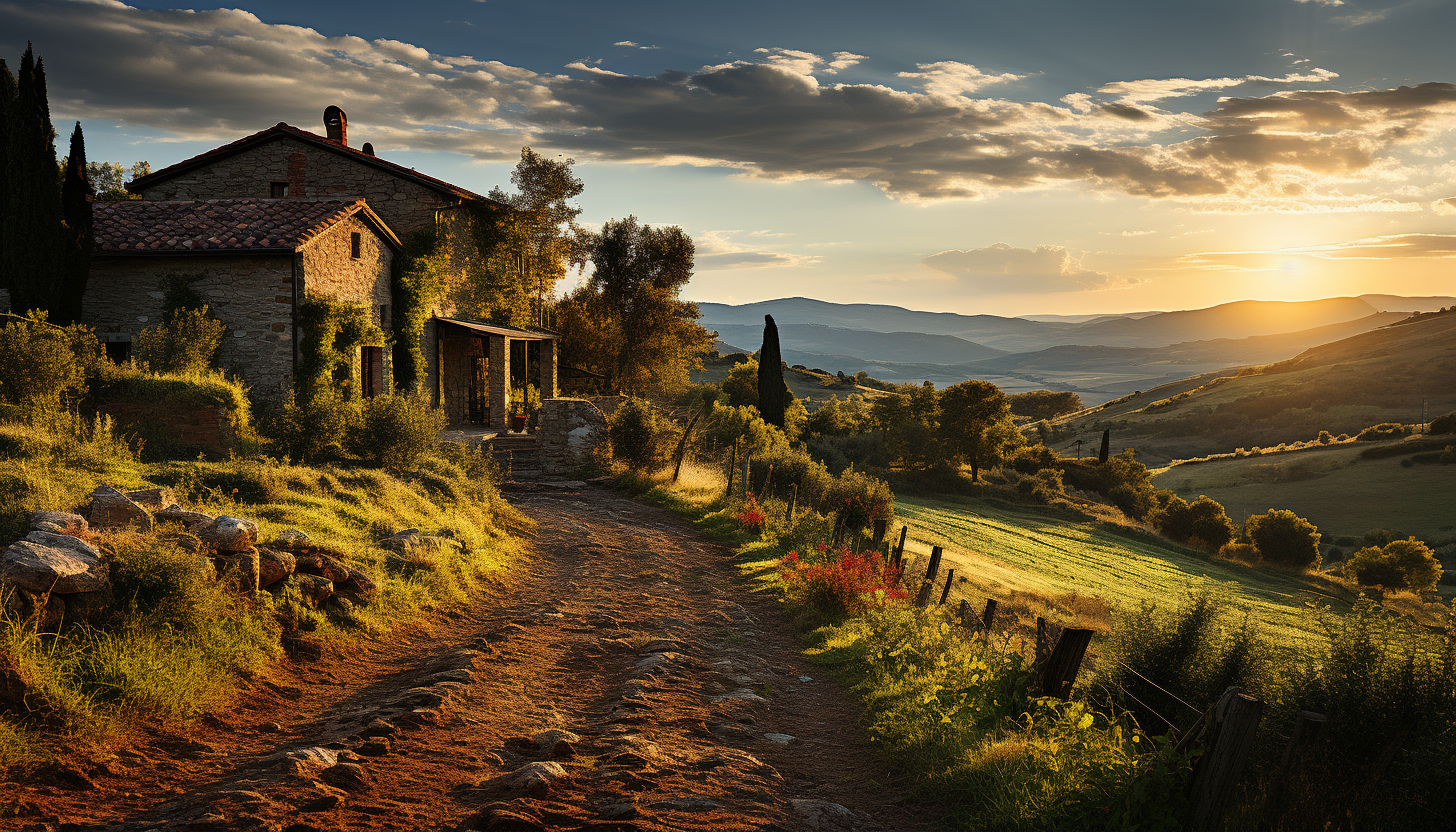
{"type": "Point", "coordinates": [625, 678]}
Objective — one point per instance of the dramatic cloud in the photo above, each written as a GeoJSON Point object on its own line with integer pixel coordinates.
{"type": "Point", "coordinates": [220, 74]}
{"type": "Point", "coordinates": [1445, 206]}
{"type": "Point", "coordinates": [1002, 269]}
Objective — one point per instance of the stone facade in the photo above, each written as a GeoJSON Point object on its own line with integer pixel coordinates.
{"type": "Point", "coordinates": [251, 294]}
{"type": "Point", "coordinates": [459, 358]}
{"type": "Point", "coordinates": [571, 429]}
{"type": "Point", "coordinates": [309, 171]}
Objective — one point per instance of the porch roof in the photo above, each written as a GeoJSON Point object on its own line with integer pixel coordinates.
{"type": "Point", "coordinates": [453, 328]}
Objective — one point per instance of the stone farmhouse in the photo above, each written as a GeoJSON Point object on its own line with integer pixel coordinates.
{"type": "Point", "coordinates": [270, 220]}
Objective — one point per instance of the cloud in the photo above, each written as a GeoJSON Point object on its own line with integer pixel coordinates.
{"type": "Point", "coordinates": [1003, 269]}
{"type": "Point", "coordinates": [725, 249]}
{"type": "Point", "coordinates": [1390, 247]}
{"type": "Point", "coordinates": [1445, 206]}
{"type": "Point", "coordinates": [632, 45]}
{"type": "Point", "coordinates": [1360, 19]}
{"type": "Point", "coordinates": [214, 75]}
{"type": "Point", "coordinates": [1323, 2]}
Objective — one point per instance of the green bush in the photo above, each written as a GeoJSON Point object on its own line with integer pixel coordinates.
{"type": "Point", "coordinates": [43, 365]}
{"type": "Point", "coordinates": [1123, 480]}
{"type": "Point", "coordinates": [1044, 486]}
{"type": "Point", "coordinates": [185, 344]}
{"type": "Point", "coordinates": [1029, 459]}
{"type": "Point", "coordinates": [857, 450]}
{"type": "Point", "coordinates": [862, 499]}
{"type": "Point", "coordinates": [1284, 538]}
{"type": "Point", "coordinates": [1398, 564]}
{"type": "Point", "coordinates": [639, 436]}
{"type": "Point", "coordinates": [1386, 430]}
{"type": "Point", "coordinates": [315, 429]}
{"type": "Point", "coordinates": [1444, 424]}
{"type": "Point", "coordinates": [1202, 522]}
{"type": "Point", "coordinates": [792, 468]}
{"type": "Point", "coordinates": [397, 430]}
{"type": "Point", "coordinates": [164, 583]}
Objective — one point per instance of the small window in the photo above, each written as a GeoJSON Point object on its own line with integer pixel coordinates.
{"type": "Point", "coordinates": [384, 322]}
{"type": "Point", "coordinates": [354, 245]}
{"type": "Point", "coordinates": [278, 190]}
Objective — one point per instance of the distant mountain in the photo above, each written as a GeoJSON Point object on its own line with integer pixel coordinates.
{"type": "Point", "coordinates": [1082, 319]}
{"type": "Point", "coordinates": [1396, 303]}
{"type": "Point", "coordinates": [1241, 319]}
{"type": "Point", "coordinates": [915, 347]}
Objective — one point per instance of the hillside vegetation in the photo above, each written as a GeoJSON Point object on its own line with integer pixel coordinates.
{"type": "Point", "coordinates": [1380, 376]}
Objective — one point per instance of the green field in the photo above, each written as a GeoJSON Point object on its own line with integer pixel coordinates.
{"type": "Point", "coordinates": [1338, 491]}
{"type": "Point", "coordinates": [1001, 550]}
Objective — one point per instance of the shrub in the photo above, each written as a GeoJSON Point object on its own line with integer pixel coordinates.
{"type": "Point", "coordinates": [751, 517]}
{"type": "Point", "coordinates": [1045, 404]}
{"type": "Point", "coordinates": [639, 436]}
{"type": "Point", "coordinates": [185, 344]}
{"type": "Point", "coordinates": [861, 499]}
{"type": "Point", "coordinates": [1122, 480]}
{"type": "Point", "coordinates": [790, 467]}
{"type": "Point", "coordinates": [1045, 486]}
{"type": "Point", "coordinates": [1030, 459]}
{"type": "Point", "coordinates": [857, 450]}
{"type": "Point", "coordinates": [316, 428]}
{"type": "Point", "coordinates": [1444, 424]}
{"type": "Point", "coordinates": [1386, 430]}
{"type": "Point", "coordinates": [1380, 537]}
{"type": "Point", "coordinates": [1284, 538]}
{"type": "Point", "coordinates": [1201, 522]}
{"type": "Point", "coordinates": [840, 584]}
{"type": "Point", "coordinates": [42, 364]}
{"type": "Point", "coordinates": [397, 430]}
{"type": "Point", "coordinates": [1405, 563]}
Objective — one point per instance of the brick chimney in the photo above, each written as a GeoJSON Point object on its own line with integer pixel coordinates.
{"type": "Point", "coordinates": [336, 125]}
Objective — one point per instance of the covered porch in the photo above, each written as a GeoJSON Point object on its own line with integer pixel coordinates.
{"type": "Point", "coordinates": [480, 365]}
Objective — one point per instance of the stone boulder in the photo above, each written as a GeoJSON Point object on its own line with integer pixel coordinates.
{"type": "Point", "coordinates": [153, 499]}
{"type": "Point", "coordinates": [315, 588]}
{"type": "Point", "coordinates": [416, 549]}
{"type": "Point", "coordinates": [59, 522]}
{"type": "Point", "coordinates": [54, 563]}
{"type": "Point", "coordinates": [242, 564]}
{"type": "Point", "coordinates": [315, 560]}
{"type": "Point", "coordinates": [230, 534]}
{"type": "Point", "coordinates": [44, 611]}
{"type": "Point", "coordinates": [111, 509]}
{"type": "Point", "coordinates": [323, 566]}
{"type": "Point", "coordinates": [291, 540]}
{"type": "Point", "coordinates": [274, 566]}
{"type": "Point", "coordinates": [190, 520]}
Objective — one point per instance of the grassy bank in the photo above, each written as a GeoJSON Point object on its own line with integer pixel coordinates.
{"type": "Point", "coordinates": [173, 641]}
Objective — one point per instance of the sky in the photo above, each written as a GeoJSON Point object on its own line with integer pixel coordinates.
{"type": "Point", "coordinates": [1037, 157]}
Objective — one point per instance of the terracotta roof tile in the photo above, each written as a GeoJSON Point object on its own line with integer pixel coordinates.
{"type": "Point", "coordinates": [214, 224]}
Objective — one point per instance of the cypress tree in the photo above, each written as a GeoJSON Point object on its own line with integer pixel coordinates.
{"type": "Point", "coordinates": [1106, 445]}
{"type": "Point", "coordinates": [9, 101]}
{"type": "Point", "coordinates": [76, 193]}
{"type": "Point", "coordinates": [33, 221]}
{"type": "Point", "coordinates": [774, 395]}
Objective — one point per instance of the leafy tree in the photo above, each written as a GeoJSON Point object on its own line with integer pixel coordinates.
{"type": "Point", "coordinates": [43, 365]}
{"type": "Point", "coordinates": [627, 321]}
{"type": "Point", "coordinates": [741, 385]}
{"type": "Point", "coordinates": [1283, 537]}
{"type": "Point", "coordinates": [774, 396]}
{"type": "Point", "coordinates": [910, 418]}
{"type": "Point", "coordinates": [975, 424]}
{"type": "Point", "coordinates": [639, 436]}
{"type": "Point", "coordinates": [532, 244]}
{"type": "Point", "coordinates": [1045, 404]}
{"type": "Point", "coordinates": [841, 418]}
{"type": "Point", "coordinates": [1399, 563]}
{"type": "Point", "coordinates": [1444, 424]}
{"type": "Point", "coordinates": [108, 179]}
{"type": "Point", "coordinates": [1201, 521]}
{"type": "Point", "coordinates": [76, 194]}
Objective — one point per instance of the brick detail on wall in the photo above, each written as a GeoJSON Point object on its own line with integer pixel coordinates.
{"type": "Point", "coordinates": [208, 428]}
{"type": "Point", "coordinates": [297, 174]}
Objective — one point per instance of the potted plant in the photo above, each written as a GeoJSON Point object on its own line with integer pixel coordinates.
{"type": "Point", "coordinates": [525, 402]}
{"type": "Point", "coordinates": [518, 416]}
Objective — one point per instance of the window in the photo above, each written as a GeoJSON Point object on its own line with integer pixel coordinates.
{"type": "Point", "coordinates": [278, 190]}
{"type": "Point", "coordinates": [371, 367]}
{"type": "Point", "coordinates": [354, 245]}
{"type": "Point", "coordinates": [384, 322]}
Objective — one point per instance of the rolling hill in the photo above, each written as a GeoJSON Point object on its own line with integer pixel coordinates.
{"type": "Point", "coordinates": [1391, 374]}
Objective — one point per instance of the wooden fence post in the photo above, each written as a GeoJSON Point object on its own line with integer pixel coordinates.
{"type": "Point", "coordinates": [879, 533]}
{"type": "Point", "coordinates": [949, 580]}
{"type": "Point", "coordinates": [732, 467]}
{"type": "Point", "coordinates": [988, 615]}
{"type": "Point", "coordinates": [793, 503]}
{"type": "Point", "coordinates": [900, 547]}
{"type": "Point", "coordinates": [923, 599]}
{"type": "Point", "coordinates": [1043, 642]}
{"type": "Point", "coordinates": [1065, 660]}
{"type": "Point", "coordinates": [682, 444]}
{"type": "Point", "coordinates": [1231, 736]}
{"type": "Point", "coordinates": [934, 568]}
{"type": "Point", "coordinates": [1307, 728]}
{"type": "Point", "coordinates": [747, 461]}
{"type": "Point", "coordinates": [927, 585]}
{"type": "Point", "coordinates": [964, 614]}
{"type": "Point", "coordinates": [1383, 759]}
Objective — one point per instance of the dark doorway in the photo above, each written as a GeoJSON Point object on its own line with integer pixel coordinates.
{"type": "Point", "coordinates": [479, 393]}
{"type": "Point", "coordinates": [371, 370]}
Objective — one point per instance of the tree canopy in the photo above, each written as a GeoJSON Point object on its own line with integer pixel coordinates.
{"type": "Point", "coordinates": [626, 321]}
{"type": "Point", "coordinates": [975, 424]}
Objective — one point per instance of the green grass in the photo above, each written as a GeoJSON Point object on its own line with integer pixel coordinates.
{"type": "Point", "coordinates": [1334, 488]}
{"type": "Point", "coordinates": [1001, 550]}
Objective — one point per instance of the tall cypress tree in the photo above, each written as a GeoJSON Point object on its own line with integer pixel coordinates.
{"type": "Point", "coordinates": [33, 220]}
{"type": "Point", "coordinates": [76, 193]}
{"type": "Point", "coordinates": [1106, 449]}
{"type": "Point", "coordinates": [9, 101]}
{"type": "Point", "coordinates": [774, 395]}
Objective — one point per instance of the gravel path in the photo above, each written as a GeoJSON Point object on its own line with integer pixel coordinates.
{"type": "Point", "coordinates": [625, 679]}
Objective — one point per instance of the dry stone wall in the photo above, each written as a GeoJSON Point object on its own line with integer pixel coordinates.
{"type": "Point", "coordinates": [310, 171]}
{"type": "Point", "coordinates": [571, 429]}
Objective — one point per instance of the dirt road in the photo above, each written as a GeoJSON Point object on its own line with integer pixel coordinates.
{"type": "Point", "coordinates": [626, 678]}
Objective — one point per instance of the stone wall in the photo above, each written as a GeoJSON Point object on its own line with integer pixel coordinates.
{"type": "Point", "coordinates": [459, 355]}
{"type": "Point", "coordinates": [329, 269]}
{"type": "Point", "coordinates": [310, 171]}
{"type": "Point", "coordinates": [210, 429]}
{"type": "Point", "coordinates": [570, 430]}
{"type": "Point", "coordinates": [252, 295]}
